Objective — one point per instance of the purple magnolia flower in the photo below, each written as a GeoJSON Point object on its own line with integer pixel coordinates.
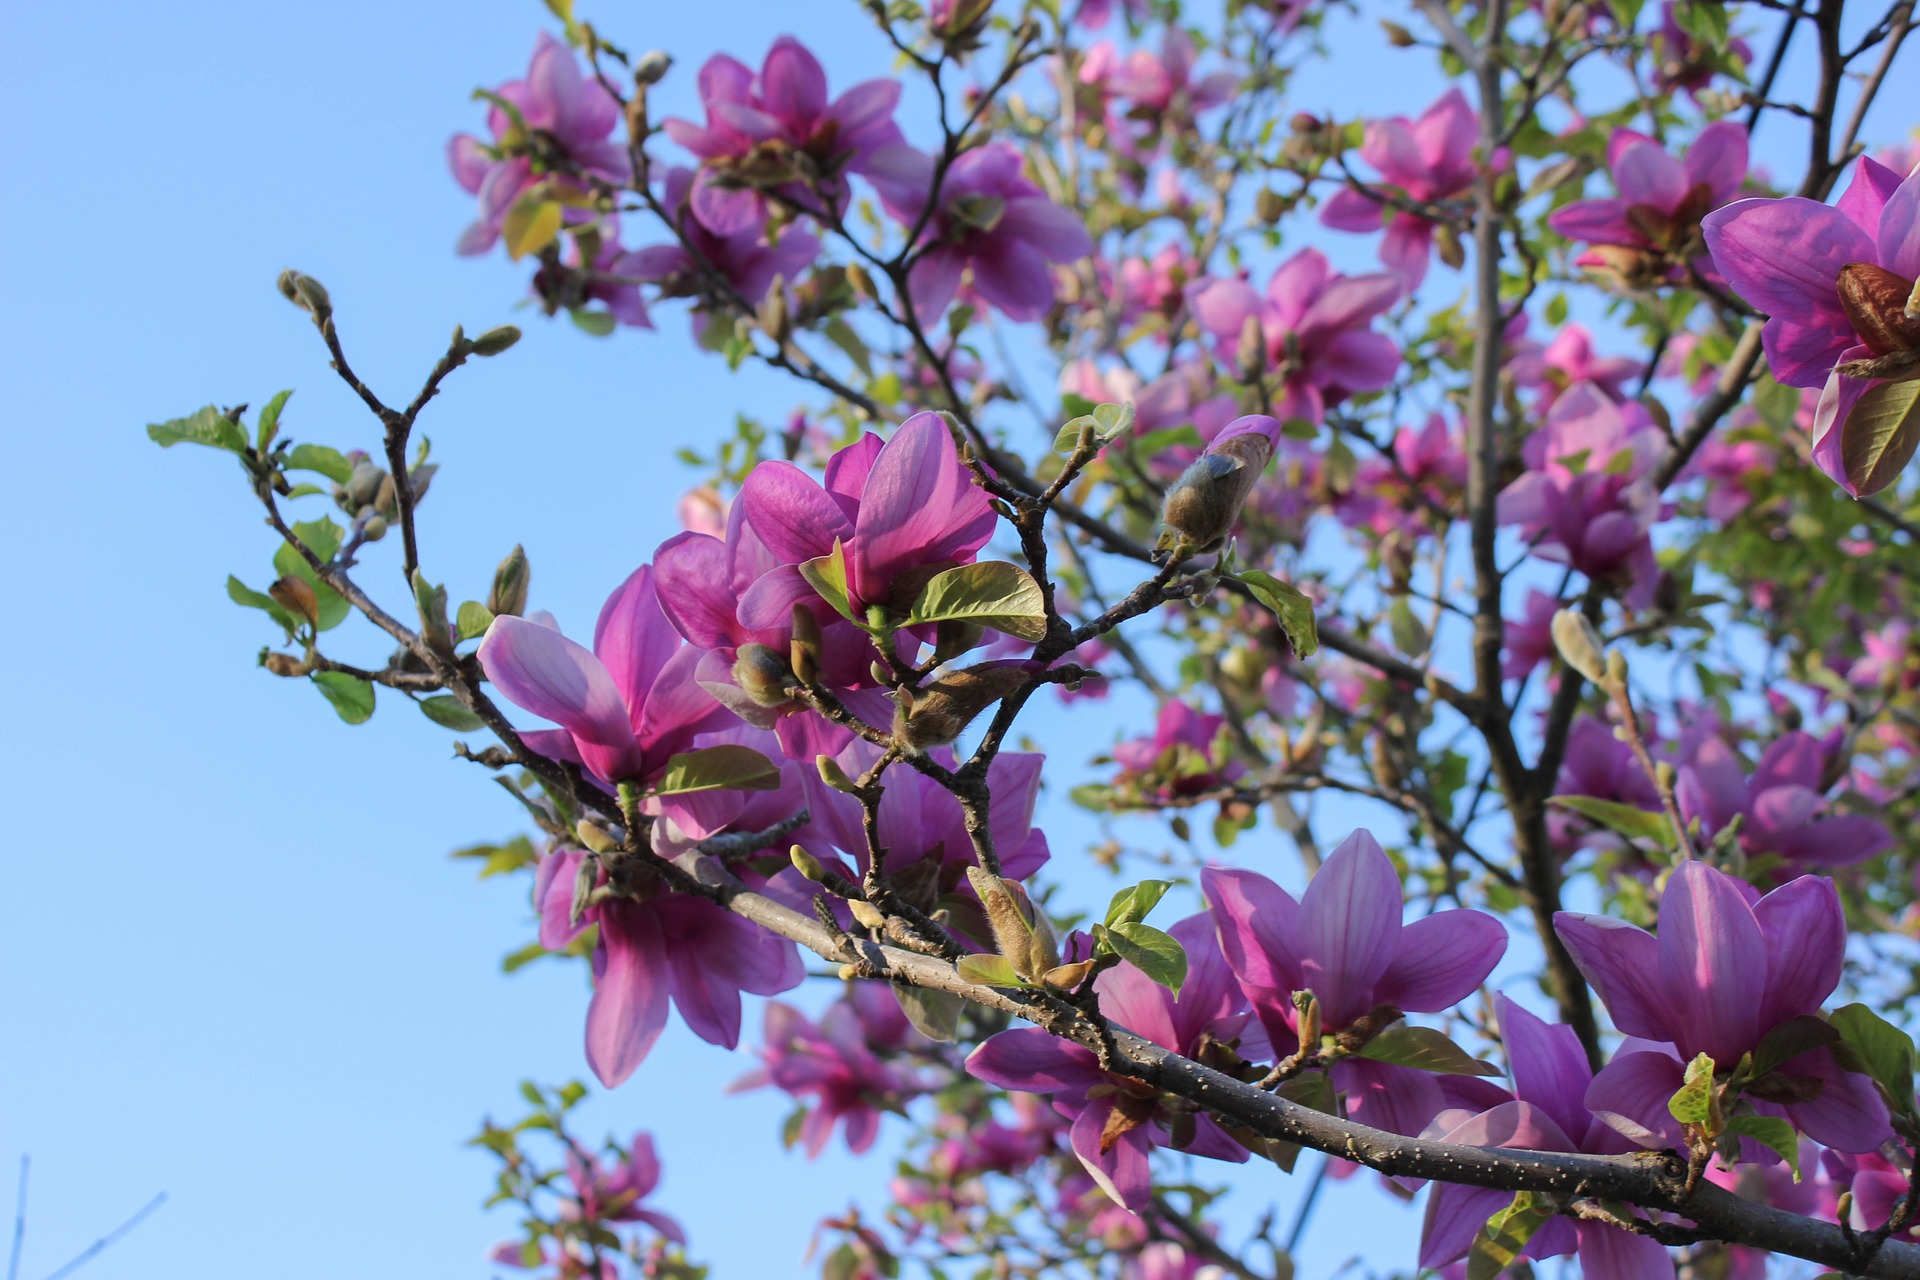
{"type": "Point", "coordinates": [614, 1195]}
{"type": "Point", "coordinates": [1782, 807]}
{"type": "Point", "coordinates": [1162, 90]}
{"type": "Point", "coordinates": [623, 708]}
{"type": "Point", "coordinates": [1548, 1113]}
{"type": "Point", "coordinates": [1587, 498]}
{"type": "Point", "coordinates": [1661, 200]}
{"type": "Point", "coordinates": [1530, 636]}
{"type": "Point", "coordinates": [1117, 1122]}
{"type": "Point", "coordinates": [657, 945]}
{"type": "Point", "coordinates": [1597, 764]}
{"type": "Point", "coordinates": [1344, 941]}
{"type": "Point", "coordinates": [612, 277]}
{"type": "Point", "coordinates": [1428, 160]}
{"type": "Point", "coordinates": [1811, 1195]}
{"type": "Point", "coordinates": [840, 1064]}
{"type": "Point", "coordinates": [1315, 322]}
{"type": "Point", "coordinates": [1683, 62]}
{"type": "Point", "coordinates": [1570, 359]}
{"type": "Point", "coordinates": [1837, 285]}
{"type": "Point", "coordinates": [898, 511]}
{"type": "Point", "coordinates": [746, 259]}
{"type": "Point", "coordinates": [572, 113]}
{"type": "Point", "coordinates": [922, 826]}
{"type": "Point", "coordinates": [990, 221]}
{"type": "Point", "coordinates": [779, 131]}
{"type": "Point", "coordinates": [1727, 968]}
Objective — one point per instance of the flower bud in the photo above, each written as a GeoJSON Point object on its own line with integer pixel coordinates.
{"type": "Point", "coordinates": [510, 582]}
{"type": "Point", "coordinates": [297, 598]}
{"type": "Point", "coordinates": [283, 664]}
{"type": "Point", "coordinates": [496, 340]}
{"type": "Point", "coordinates": [803, 651]}
{"type": "Point", "coordinates": [1269, 206]}
{"type": "Point", "coordinates": [652, 66]}
{"type": "Point", "coordinates": [806, 864]}
{"type": "Point", "coordinates": [1250, 351]}
{"type": "Point", "coordinates": [363, 486]}
{"type": "Point", "coordinates": [1205, 501]}
{"type": "Point", "coordinates": [1021, 932]}
{"type": "Point", "coordinates": [1306, 1009]}
{"type": "Point", "coordinates": [936, 714]}
{"type": "Point", "coordinates": [373, 528]}
{"type": "Point", "coordinates": [585, 878]}
{"type": "Point", "coordinates": [1878, 304]}
{"type": "Point", "coordinates": [306, 293]}
{"type": "Point", "coordinates": [1616, 667]}
{"type": "Point", "coordinates": [1579, 644]}
{"type": "Point", "coordinates": [1446, 242]}
{"type": "Point", "coordinates": [1397, 36]}
{"type": "Point", "coordinates": [761, 675]}
{"type": "Point", "coordinates": [867, 914]}
{"type": "Point", "coordinates": [594, 836]}
{"type": "Point", "coordinates": [833, 775]}
{"type": "Point", "coordinates": [432, 602]}
{"type": "Point", "coordinates": [772, 313]}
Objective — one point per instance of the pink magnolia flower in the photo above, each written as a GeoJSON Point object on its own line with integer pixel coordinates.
{"type": "Point", "coordinates": [1661, 200]}
{"type": "Point", "coordinates": [1811, 1195]}
{"type": "Point", "coordinates": [1530, 636]}
{"type": "Point", "coordinates": [778, 130]}
{"type": "Point", "coordinates": [572, 113]}
{"type": "Point", "coordinates": [1179, 757]}
{"type": "Point", "coordinates": [1428, 160]}
{"type": "Point", "coordinates": [1568, 359]}
{"type": "Point", "coordinates": [614, 1194]}
{"type": "Point", "coordinates": [1344, 941]}
{"type": "Point", "coordinates": [1548, 1112]}
{"type": "Point", "coordinates": [1162, 90]}
{"type": "Point", "coordinates": [1597, 764]}
{"type": "Point", "coordinates": [624, 707]}
{"type": "Point", "coordinates": [840, 1064]}
{"type": "Point", "coordinates": [1837, 285]}
{"type": "Point", "coordinates": [612, 277]}
{"type": "Point", "coordinates": [1163, 1260]}
{"type": "Point", "coordinates": [1728, 461]}
{"type": "Point", "coordinates": [1316, 325]}
{"type": "Point", "coordinates": [989, 223]}
{"type": "Point", "coordinates": [1094, 14]}
{"type": "Point", "coordinates": [1117, 1122]}
{"type": "Point", "coordinates": [1878, 1186]}
{"type": "Point", "coordinates": [1141, 286]}
{"type": "Point", "coordinates": [1781, 805]}
{"type": "Point", "coordinates": [746, 259]}
{"type": "Point", "coordinates": [1891, 657]}
{"type": "Point", "coordinates": [655, 946]}
{"type": "Point", "coordinates": [1682, 62]}
{"type": "Point", "coordinates": [1727, 967]}
{"type": "Point", "coordinates": [1587, 498]}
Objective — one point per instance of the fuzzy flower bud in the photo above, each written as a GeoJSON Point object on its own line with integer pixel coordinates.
{"type": "Point", "coordinates": [761, 675]}
{"type": "Point", "coordinates": [1579, 644]}
{"type": "Point", "coordinates": [510, 581]}
{"type": "Point", "coordinates": [1205, 501]}
{"type": "Point", "coordinates": [1021, 932]}
{"type": "Point", "coordinates": [935, 715]}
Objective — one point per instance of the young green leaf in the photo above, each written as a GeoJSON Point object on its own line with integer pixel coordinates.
{"type": "Point", "coordinates": [1152, 952]}
{"type": "Point", "coordinates": [472, 621]}
{"type": "Point", "coordinates": [446, 710]}
{"type": "Point", "coordinates": [268, 425]}
{"type": "Point", "coordinates": [1693, 1102]}
{"type": "Point", "coordinates": [1875, 1047]}
{"type": "Point", "coordinates": [1133, 904]}
{"type": "Point", "coordinates": [207, 426]}
{"type": "Point", "coordinates": [828, 575]}
{"type": "Point", "coordinates": [1500, 1242]}
{"type": "Point", "coordinates": [991, 593]}
{"type": "Point", "coordinates": [1769, 1131]}
{"type": "Point", "coordinates": [1635, 824]}
{"type": "Point", "coordinates": [1425, 1049]}
{"type": "Point", "coordinates": [988, 971]}
{"type": "Point", "coordinates": [723, 768]}
{"type": "Point", "coordinates": [351, 696]}
{"type": "Point", "coordinates": [1879, 436]}
{"type": "Point", "coordinates": [1289, 605]}
{"type": "Point", "coordinates": [330, 463]}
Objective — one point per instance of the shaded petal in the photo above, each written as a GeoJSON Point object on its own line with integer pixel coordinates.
{"type": "Point", "coordinates": [1608, 1253]}
{"type": "Point", "coordinates": [1455, 1214]}
{"type": "Point", "coordinates": [1899, 233]}
{"type": "Point", "coordinates": [1645, 174]}
{"type": "Point", "coordinates": [1012, 276]}
{"type": "Point", "coordinates": [1221, 307]}
{"type": "Point", "coordinates": [1351, 210]}
{"type": "Point", "coordinates": [1441, 959]}
{"type": "Point", "coordinates": [1595, 222]}
{"type": "Point", "coordinates": [541, 671]}
{"type": "Point", "coordinates": [1784, 256]}
{"type": "Point", "coordinates": [1256, 921]}
{"type": "Point", "coordinates": [1548, 1065]}
{"type": "Point", "coordinates": [1056, 232]}
{"type": "Point", "coordinates": [1718, 157]}
{"type": "Point", "coordinates": [1848, 1115]}
{"type": "Point", "coordinates": [691, 578]}
{"type": "Point", "coordinates": [933, 281]}
{"type": "Point", "coordinates": [1630, 1095]}
{"type": "Point", "coordinates": [629, 1008]}
{"type": "Point", "coordinates": [1031, 1060]}
{"type": "Point", "coordinates": [792, 84]}
{"type": "Point", "coordinates": [1122, 1170]}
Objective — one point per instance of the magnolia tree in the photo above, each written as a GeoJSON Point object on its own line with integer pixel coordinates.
{"type": "Point", "coordinates": [1615, 617]}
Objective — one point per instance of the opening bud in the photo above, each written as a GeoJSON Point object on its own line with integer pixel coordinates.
{"type": "Point", "coordinates": [652, 66]}
{"type": "Point", "coordinates": [306, 293]}
{"type": "Point", "coordinates": [936, 714]}
{"type": "Point", "coordinates": [1021, 932]}
{"type": "Point", "coordinates": [1205, 501]}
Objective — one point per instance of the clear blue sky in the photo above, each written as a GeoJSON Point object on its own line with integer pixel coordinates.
{"type": "Point", "coordinates": [238, 966]}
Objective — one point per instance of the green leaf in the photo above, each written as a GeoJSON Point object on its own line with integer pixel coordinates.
{"type": "Point", "coordinates": [1133, 904]}
{"type": "Point", "coordinates": [1769, 1131]}
{"type": "Point", "coordinates": [207, 426]}
{"type": "Point", "coordinates": [1152, 952]}
{"type": "Point", "coordinates": [828, 575]}
{"type": "Point", "coordinates": [530, 226]}
{"type": "Point", "coordinates": [351, 696]}
{"type": "Point", "coordinates": [242, 594]}
{"type": "Point", "coordinates": [1105, 424]}
{"type": "Point", "coordinates": [988, 971]}
{"type": "Point", "coordinates": [1500, 1242]}
{"type": "Point", "coordinates": [1878, 438]}
{"type": "Point", "coordinates": [330, 463]}
{"type": "Point", "coordinates": [1790, 1039]}
{"type": "Point", "coordinates": [1425, 1049]}
{"type": "Point", "coordinates": [472, 621]}
{"type": "Point", "coordinates": [1290, 605]}
{"type": "Point", "coordinates": [1556, 310]}
{"type": "Point", "coordinates": [524, 956]}
{"type": "Point", "coordinates": [1693, 1102]}
{"type": "Point", "coordinates": [598, 323]}
{"type": "Point", "coordinates": [1875, 1047]}
{"type": "Point", "coordinates": [991, 593]}
{"type": "Point", "coordinates": [934, 1014]}
{"type": "Point", "coordinates": [1635, 824]}
{"type": "Point", "coordinates": [446, 710]}
{"type": "Point", "coordinates": [723, 768]}
{"type": "Point", "coordinates": [322, 537]}
{"type": "Point", "coordinates": [1408, 632]}
{"type": "Point", "coordinates": [269, 423]}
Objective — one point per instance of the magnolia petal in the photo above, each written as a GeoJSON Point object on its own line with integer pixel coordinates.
{"type": "Point", "coordinates": [1621, 962]}
{"type": "Point", "coordinates": [629, 1008]}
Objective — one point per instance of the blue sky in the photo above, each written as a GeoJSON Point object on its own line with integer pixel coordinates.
{"type": "Point", "coordinates": [239, 967]}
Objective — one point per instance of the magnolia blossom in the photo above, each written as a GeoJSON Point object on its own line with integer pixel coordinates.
{"type": "Point", "coordinates": [1428, 160]}
{"type": "Point", "coordinates": [1179, 756]}
{"type": "Point", "coordinates": [1728, 967]}
{"type": "Point", "coordinates": [1530, 636]}
{"type": "Point", "coordinates": [1548, 1112]}
{"type": "Point", "coordinates": [746, 260]}
{"type": "Point", "coordinates": [655, 945]}
{"type": "Point", "coordinates": [1837, 283]}
{"type": "Point", "coordinates": [839, 1064]}
{"type": "Point", "coordinates": [1569, 359]}
{"type": "Point", "coordinates": [1781, 807]}
{"type": "Point", "coordinates": [1162, 90]}
{"type": "Point", "coordinates": [988, 222]}
{"type": "Point", "coordinates": [1315, 324]}
{"type": "Point", "coordinates": [1684, 62]}
{"type": "Point", "coordinates": [1588, 497]}
{"type": "Point", "coordinates": [573, 113]}
{"type": "Point", "coordinates": [779, 131]}
{"type": "Point", "coordinates": [614, 1194]}
{"type": "Point", "coordinates": [1116, 1121]}
{"type": "Point", "coordinates": [1344, 941]}
{"type": "Point", "coordinates": [1661, 200]}
{"type": "Point", "coordinates": [624, 707]}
